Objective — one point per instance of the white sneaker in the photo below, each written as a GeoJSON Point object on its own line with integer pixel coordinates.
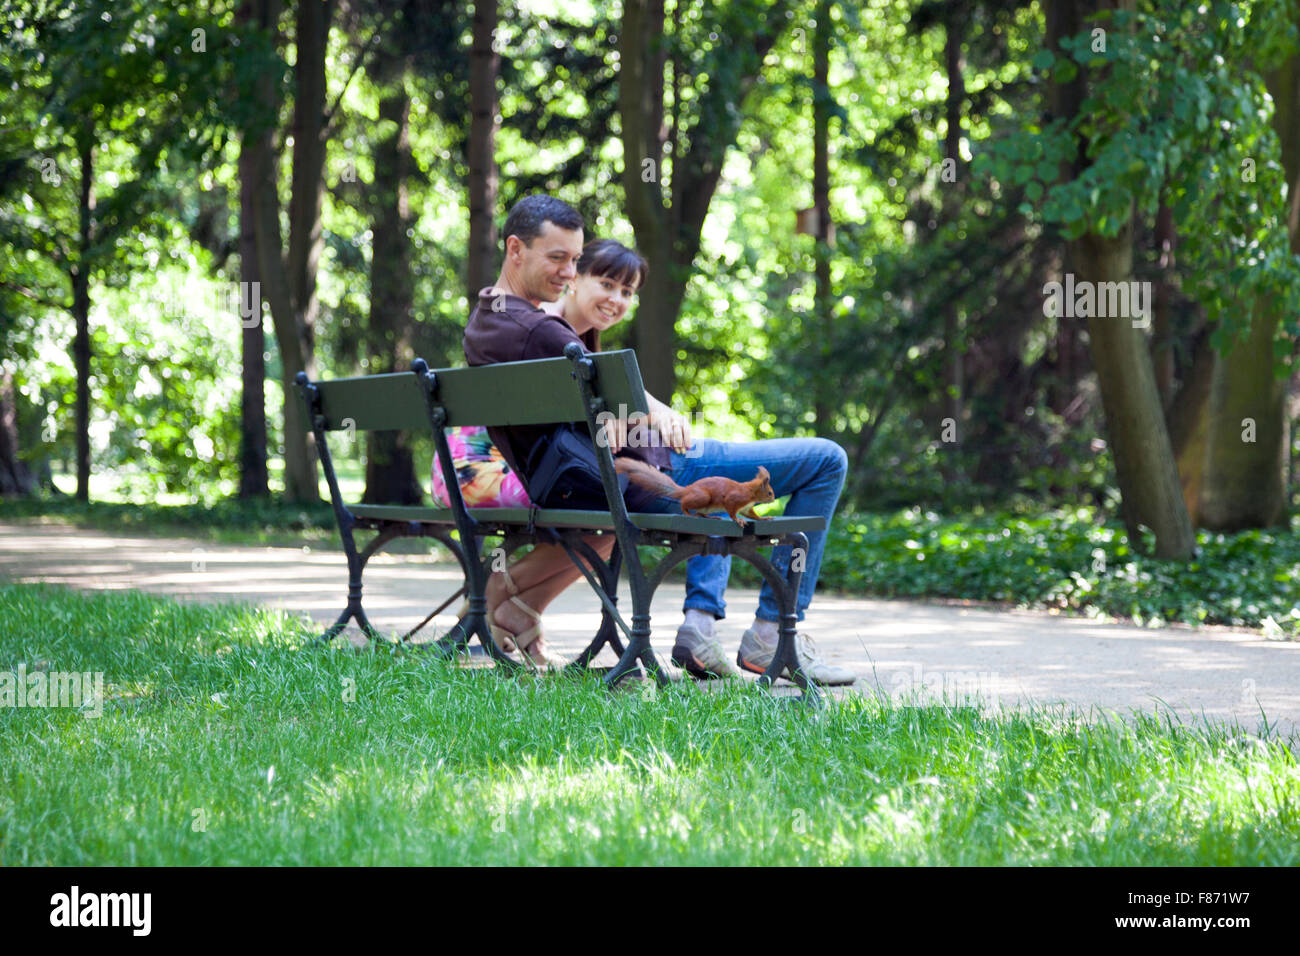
{"type": "Point", "coordinates": [700, 656]}
{"type": "Point", "coordinates": [755, 655]}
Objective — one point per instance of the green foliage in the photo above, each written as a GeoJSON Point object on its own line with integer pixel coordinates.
{"type": "Point", "coordinates": [230, 743]}
{"type": "Point", "coordinates": [228, 519]}
{"type": "Point", "coordinates": [1068, 560]}
{"type": "Point", "coordinates": [1173, 107]}
{"type": "Point", "coordinates": [1174, 112]}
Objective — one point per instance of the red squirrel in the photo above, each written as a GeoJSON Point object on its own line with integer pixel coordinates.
{"type": "Point", "coordinates": [707, 494]}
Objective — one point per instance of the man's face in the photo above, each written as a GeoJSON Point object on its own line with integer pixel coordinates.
{"type": "Point", "coordinates": [546, 265]}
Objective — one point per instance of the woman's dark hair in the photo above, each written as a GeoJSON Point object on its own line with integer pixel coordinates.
{"type": "Point", "coordinates": [613, 260]}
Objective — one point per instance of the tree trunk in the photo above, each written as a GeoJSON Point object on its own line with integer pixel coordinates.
{"type": "Point", "coordinates": [1162, 338]}
{"type": "Point", "coordinates": [306, 240]}
{"type": "Point", "coordinates": [1249, 434]}
{"type": "Point", "coordinates": [1186, 419]}
{"type": "Point", "coordinates": [668, 224]}
{"type": "Point", "coordinates": [481, 262]}
{"type": "Point", "coordinates": [954, 64]}
{"type": "Point", "coordinates": [16, 479]}
{"type": "Point", "coordinates": [1144, 460]}
{"type": "Point", "coordinates": [253, 479]}
{"type": "Point", "coordinates": [291, 309]}
{"type": "Point", "coordinates": [640, 100]}
{"type": "Point", "coordinates": [1144, 457]}
{"type": "Point", "coordinates": [823, 397]}
{"type": "Point", "coordinates": [81, 307]}
{"type": "Point", "coordinates": [390, 466]}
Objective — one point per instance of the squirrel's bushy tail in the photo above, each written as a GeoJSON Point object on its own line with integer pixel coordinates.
{"type": "Point", "coordinates": [639, 473]}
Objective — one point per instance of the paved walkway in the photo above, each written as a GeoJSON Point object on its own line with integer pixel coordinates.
{"type": "Point", "coordinates": [901, 648]}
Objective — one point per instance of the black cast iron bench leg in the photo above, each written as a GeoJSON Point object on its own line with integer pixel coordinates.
{"type": "Point", "coordinates": [638, 649]}
{"type": "Point", "coordinates": [785, 587]}
{"type": "Point", "coordinates": [604, 581]}
{"type": "Point", "coordinates": [356, 569]}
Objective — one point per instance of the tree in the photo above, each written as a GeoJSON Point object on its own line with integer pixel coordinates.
{"type": "Point", "coordinates": [84, 70]}
{"type": "Point", "coordinates": [485, 64]}
{"type": "Point", "coordinates": [254, 482]}
{"type": "Point", "coordinates": [16, 478]}
{"type": "Point", "coordinates": [289, 278]}
{"type": "Point", "coordinates": [390, 466]}
{"type": "Point", "coordinates": [823, 107]}
{"type": "Point", "coordinates": [1248, 431]}
{"type": "Point", "coordinates": [1103, 253]}
{"type": "Point", "coordinates": [674, 146]}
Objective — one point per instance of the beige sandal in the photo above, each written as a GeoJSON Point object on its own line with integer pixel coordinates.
{"type": "Point", "coordinates": [524, 640]}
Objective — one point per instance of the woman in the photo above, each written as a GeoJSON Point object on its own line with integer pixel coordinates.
{"type": "Point", "coordinates": [608, 277]}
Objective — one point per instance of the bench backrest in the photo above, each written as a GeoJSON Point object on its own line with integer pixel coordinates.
{"type": "Point", "coordinates": [510, 393]}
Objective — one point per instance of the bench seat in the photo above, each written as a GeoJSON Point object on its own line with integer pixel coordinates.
{"type": "Point", "coordinates": [595, 520]}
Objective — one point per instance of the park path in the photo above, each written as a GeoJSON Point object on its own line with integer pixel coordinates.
{"type": "Point", "coordinates": [901, 648]}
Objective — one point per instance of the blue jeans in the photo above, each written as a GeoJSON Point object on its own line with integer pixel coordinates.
{"type": "Point", "coordinates": [809, 470]}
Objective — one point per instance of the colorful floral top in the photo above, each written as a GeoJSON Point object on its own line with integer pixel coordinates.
{"type": "Point", "coordinates": [485, 479]}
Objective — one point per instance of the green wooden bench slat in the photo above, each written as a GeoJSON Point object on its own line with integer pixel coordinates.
{"type": "Point", "coordinates": [563, 518]}
{"type": "Point", "coordinates": [536, 392]}
{"type": "Point", "coordinates": [509, 393]}
{"type": "Point", "coordinates": [375, 403]}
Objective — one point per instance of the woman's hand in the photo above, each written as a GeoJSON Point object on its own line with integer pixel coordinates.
{"type": "Point", "coordinates": [615, 433]}
{"type": "Point", "coordinates": [673, 428]}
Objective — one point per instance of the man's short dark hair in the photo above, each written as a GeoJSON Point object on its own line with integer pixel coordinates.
{"type": "Point", "coordinates": [532, 212]}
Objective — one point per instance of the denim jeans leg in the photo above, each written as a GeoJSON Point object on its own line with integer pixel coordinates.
{"type": "Point", "coordinates": [810, 470]}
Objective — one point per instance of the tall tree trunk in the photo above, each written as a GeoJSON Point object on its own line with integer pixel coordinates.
{"type": "Point", "coordinates": [668, 224]}
{"type": "Point", "coordinates": [1144, 460]}
{"type": "Point", "coordinates": [253, 479]}
{"type": "Point", "coordinates": [1186, 419]}
{"type": "Point", "coordinates": [1162, 338]}
{"type": "Point", "coordinates": [1144, 457]}
{"type": "Point", "coordinates": [16, 479]}
{"type": "Point", "coordinates": [306, 239]}
{"type": "Point", "coordinates": [822, 395]}
{"type": "Point", "coordinates": [1249, 433]}
{"type": "Point", "coordinates": [81, 306]}
{"type": "Point", "coordinates": [289, 283]}
{"type": "Point", "coordinates": [640, 101]}
{"type": "Point", "coordinates": [484, 66]}
{"type": "Point", "coordinates": [390, 466]}
{"type": "Point", "coordinates": [1246, 434]}
{"type": "Point", "coordinates": [954, 64]}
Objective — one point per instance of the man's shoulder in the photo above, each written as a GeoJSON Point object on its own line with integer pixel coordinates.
{"type": "Point", "coordinates": [506, 328]}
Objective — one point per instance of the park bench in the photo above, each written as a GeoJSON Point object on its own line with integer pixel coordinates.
{"type": "Point", "coordinates": [577, 388]}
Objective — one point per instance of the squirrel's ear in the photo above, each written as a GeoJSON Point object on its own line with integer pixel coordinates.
{"type": "Point", "coordinates": [762, 472]}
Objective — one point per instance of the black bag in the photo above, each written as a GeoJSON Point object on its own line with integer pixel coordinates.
{"type": "Point", "coordinates": [562, 471]}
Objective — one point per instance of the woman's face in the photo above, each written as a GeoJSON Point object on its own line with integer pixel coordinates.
{"type": "Point", "coordinates": [600, 301]}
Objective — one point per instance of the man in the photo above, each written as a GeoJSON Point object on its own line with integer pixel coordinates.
{"type": "Point", "coordinates": [543, 239]}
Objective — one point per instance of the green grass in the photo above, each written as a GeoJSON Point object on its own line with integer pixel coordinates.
{"type": "Point", "coordinates": [222, 741]}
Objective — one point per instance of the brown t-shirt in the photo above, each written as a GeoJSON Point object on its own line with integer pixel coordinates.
{"type": "Point", "coordinates": [518, 331]}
